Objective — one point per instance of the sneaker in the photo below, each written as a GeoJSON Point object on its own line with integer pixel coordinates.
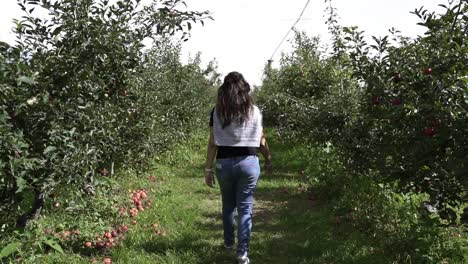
{"type": "Point", "coordinates": [243, 259]}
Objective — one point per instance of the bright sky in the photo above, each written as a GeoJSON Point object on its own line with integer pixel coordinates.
{"type": "Point", "coordinates": [245, 33]}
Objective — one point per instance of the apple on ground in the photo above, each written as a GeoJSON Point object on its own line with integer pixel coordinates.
{"type": "Point", "coordinates": [124, 228]}
{"type": "Point", "coordinates": [100, 245]}
{"type": "Point", "coordinates": [108, 235]}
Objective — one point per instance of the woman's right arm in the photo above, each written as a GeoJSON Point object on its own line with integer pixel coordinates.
{"type": "Point", "coordinates": [212, 149]}
{"type": "Point", "coordinates": [265, 150]}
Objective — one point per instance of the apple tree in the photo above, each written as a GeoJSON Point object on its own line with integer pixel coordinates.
{"type": "Point", "coordinates": [66, 93]}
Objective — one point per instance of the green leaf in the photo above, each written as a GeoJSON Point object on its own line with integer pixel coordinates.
{"type": "Point", "coordinates": [54, 245]}
{"type": "Point", "coordinates": [21, 183]}
{"type": "Point", "coordinates": [10, 249]}
{"type": "Point", "coordinates": [24, 79]}
{"type": "Point", "coordinates": [49, 149]}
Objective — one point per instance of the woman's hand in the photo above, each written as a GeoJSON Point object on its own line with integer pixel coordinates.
{"type": "Point", "coordinates": [265, 150]}
{"type": "Point", "coordinates": [212, 148]}
{"type": "Point", "coordinates": [209, 178]}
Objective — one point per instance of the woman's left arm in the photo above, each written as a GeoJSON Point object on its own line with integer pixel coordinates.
{"type": "Point", "coordinates": [212, 149]}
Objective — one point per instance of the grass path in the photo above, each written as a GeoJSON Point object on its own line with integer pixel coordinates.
{"type": "Point", "coordinates": [183, 226]}
{"type": "Point", "coordinates": [288, 228]}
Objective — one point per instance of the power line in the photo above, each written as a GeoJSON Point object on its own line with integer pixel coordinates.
{"type": "Point", "coordinates": [302, 19]}
{"type": "Point", "coordinates": [295, 23]}
{"type": "Point", "coordinates": [284, 38]}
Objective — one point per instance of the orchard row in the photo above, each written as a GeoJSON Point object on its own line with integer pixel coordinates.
{"type": "Point", "coordinates": [393, 112]}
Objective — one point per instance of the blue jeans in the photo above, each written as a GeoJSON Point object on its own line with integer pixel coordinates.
{"type": "Point", "coordinates": [238, 178]}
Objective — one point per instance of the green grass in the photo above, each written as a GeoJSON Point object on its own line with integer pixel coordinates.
{"type": "Point", "coordinates": [288, 228]}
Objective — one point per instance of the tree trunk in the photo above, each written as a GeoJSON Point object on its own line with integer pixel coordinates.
{"type": "Point", "coordinates": [38, 203]}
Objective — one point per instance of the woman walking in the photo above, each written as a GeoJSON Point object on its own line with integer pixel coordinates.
{"type": "Point", "coordinates": [236, 134]}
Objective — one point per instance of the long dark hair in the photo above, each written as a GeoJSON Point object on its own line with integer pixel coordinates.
{"type": "Point", "coordinates": [234, 100]}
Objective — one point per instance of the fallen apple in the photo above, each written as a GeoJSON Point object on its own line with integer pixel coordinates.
{"type": "Point", "coordinates": [108, 235]}
{"type": "Point", "coordinates": [124, 228]}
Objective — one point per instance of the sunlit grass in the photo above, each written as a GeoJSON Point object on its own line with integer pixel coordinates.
{"type": "Point", "coordinates": [288, 227]}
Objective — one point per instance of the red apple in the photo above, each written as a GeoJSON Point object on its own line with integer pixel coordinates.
{"type": "Point", "coordinates": [396, 101]}
{"type": "Point", "coordinates": [124, 228]}
{"type": "Point", "coordinates": [429, 131]}
{"type": "Point", "coordinates": [108, 235]}
{"type": "Point", "coordinates": [66, 233]}
{"type": "Point", "coordinates": [137, 195]}
{"type": "Point", "coordinates": [376, 100]}
{"type": "Point", "coordinates": [47, 231]}
{"type": "Point", "coordinates": [107, 261]}
{"type": "Point", "coordinates": [427, 71]}
{"type": "Point", "coordinates": [397, 78]}
{"type": "Point", "coordinates": [100, 245]}
{"type": "Point", "coordinates": [114, 233]}
{"type": "Point", "coordinates": [88, 244]}
{"type": "Point", "coordinates": [143, 195]}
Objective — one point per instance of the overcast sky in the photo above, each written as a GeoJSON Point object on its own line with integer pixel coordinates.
{"type": "Point", "coordinates": [245, 33]}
